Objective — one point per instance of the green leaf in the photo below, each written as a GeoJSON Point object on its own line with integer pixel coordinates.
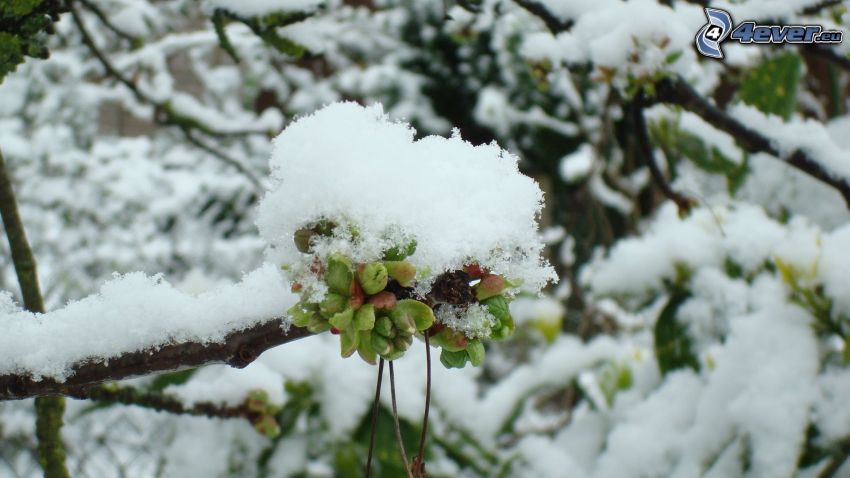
{"type": "Point", "coordinates": [673, 346]}
{"type": "Point", "coordinates": [400, 252]}
{"type": "Point", "coordinates": [364, 347]}
{"type": "Point", "coordinates": [301, 313]}
{"type": "Point", "coordinates": [339, 274]}
{"type": "Point", "coordinates": [349, 339]}
{"type": "Point", "coordinates": [475, 350]}
{"type": "Point", "coordinates": [772, 86]}
{"type": "Point", "coordinates": [364, 318]}
{"type": "Point", "coordinates": [342, 320]}
{"type": "Point", "coordinates": [332, 304]}
{"type": "Point", "coordinates": [419, 312]}
{"type": "Point", "coordinates": [453, 359]}
{"type": "Point", "coordinates": [372, 277]}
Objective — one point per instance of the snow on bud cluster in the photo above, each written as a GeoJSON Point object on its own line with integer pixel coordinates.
{"type": "Point", "coordinates": [385, 237]}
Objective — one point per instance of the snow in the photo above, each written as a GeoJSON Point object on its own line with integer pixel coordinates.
{"type": "Point", "coordinates": [459, 202]}
{"type": "Point", "coordinates": [133, 312]}
{"type": "Point", "coordinates": [577, 165]}
{"type": "Point", "coordinates": [251, 8]}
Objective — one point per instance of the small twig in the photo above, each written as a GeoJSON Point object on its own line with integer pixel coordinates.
{"type": "Point", "coordinates": [419, 460]}
{"type": "Point", "coordinates": [397, 425]}
{"type": "Point", "coordinates": [678, 92]}
{"type": "Point", "coordinates": [837, 461]}
{"type": "Point", "coordinates": [158, 401]}
{"type": "Point", "coordinates": [105, 20]}
{"type": "Point", "coordinates": [539, 10]}
{"type": "Point", "coordinates": [165, 115]}
{"type": "Point", "coordinates": [682, 202]}
{"type": "Point", "coordinates": [374, 418]}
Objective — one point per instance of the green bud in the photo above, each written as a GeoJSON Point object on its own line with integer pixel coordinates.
{"type": "Point", "coordinates": [490, 285]}
{"type": "Point", "coordinates": [450, 339]}
{"type": "Point", "coordinates": [394, 354]}
{"type": "Point", "coordinates": [475, 350]}
{"type": "Point", "coordinates": [400, 252]}
{"type": "Point", "coordinates": [342, 320]}
{"type": "Point", "coordinates": [402, 271]}
{"type": "Point", "coordinates": [498, 306]}
{"type": "Point", "coordinates": [419, 312]}
{"type": "Point", "coordinates": [348, 342]}
{"type": "Point", "coordinates": [332, 304]}
{"type": "Point", "coordinates": [303, 239]}
{"type": "Point", "coordinates": [402, 342]}
{"type": "Point", "coordinates": [339, 274]}
{"type": "Point", "coordinates": [364, 318]}
{"type": "Point", "coordinates": [403, 323]}
{"type": "Point", "coordinates": [384, 326]}
{"type": "Point", "coordinates": [318, 324]}
{"type": "Point", "coordinates": [453, 359]}
{"type": "Point", "coordinates": [364, 347]}
{"type": "Point", "coordinates": [381, 345]}
{"type": "Point", "coordinates": [301, 313]}
{"type": "Point", "coordinates": [268, 426]}
{"type": "Point", "coordinates": [257, 401]}
{"type": "Point", "coordinates": [372, 277]}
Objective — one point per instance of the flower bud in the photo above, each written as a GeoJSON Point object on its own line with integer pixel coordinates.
{"type": "Point", "coordinates": [490, 285]}
{"type": "Point", "coordinates": [419, 312]}
{"type": "Point", "coordinates": [364, 318]}
{"type": "Point", "coordinates": [348, 342]}
{"type": "Point", "coordinates": [339, 275]}
{"type": "Point", "coordinates": [318, 324]}
{"type": "Point", "coordinates": [451, 359]}
{"type": "Point", "coordinates": [474, 271]}
{"type": "Point", "coordinates": [303, 238]}
{"type": "Point", "coordinates": [356, 295]}
{"type": "Point", "coordinates": [364, 347]}
{"type": "Point", "coordinates": [384, 326]}
{"type": "Point", "coordinates": [381, 345]}
{"type": "Point", "coordinates": [400, 252]}
{"type": "Point", "coordinates": [402, 342]}
{"type": "Point", "coordinates": [475, 350]}
{"type": "Point", "coordinates": [257, 401]}
{"type": "Point", "coordinates": [301, 313]}
{"type": "Point", "coordinates": [342, 320]}
{"type": "Point", "coordinates": [451, 340]}
{"type": "Point", "coordinates": [332, 304]}
{"type": "Point", "coordinates": [384, 301]}
{"type": "Point", "coordinates": [268, 426]}
{"type": "Point", "coordinates": [403, 322]}
{"type": "Point", "coordinates": [372, 277]}
{"type": "Point", "coordinates": [402, 271]}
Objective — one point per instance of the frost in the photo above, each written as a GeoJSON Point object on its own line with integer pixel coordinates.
{"type": "Point", "coordinates": [474, 320]}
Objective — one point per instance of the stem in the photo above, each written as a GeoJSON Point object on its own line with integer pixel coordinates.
{"type": "Point", "coordinates": [49, 410]}
{"type": "Point", "coordinates": [397, 425]}
{"type": "Point", "coordinates": [419, 461]}
{"type": "Point", "coordinates": [374, 418]}
{"type": "Point", "coordinates": [645, 149]}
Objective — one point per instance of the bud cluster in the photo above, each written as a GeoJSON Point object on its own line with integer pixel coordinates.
{"type": "Point", "coordinates": [262, 413]}
{"type": "Point", "coordinates": [375, 309]}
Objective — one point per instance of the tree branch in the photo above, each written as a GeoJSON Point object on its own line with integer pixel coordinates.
{"type": "Point", "coordinates": [49, 410]}
{"type": "Point", "coordinates": [683, 203]}
{"type": "Point", "coordinates": [553, 23]}
{"type": "Point", "coordinates": [165, 114]}
{"type": "Point", "coordinates": [238, 349]}
{"type": "Point", "coordinates": [159, 401]}
{"type": "Point", "coordinates": [678, 92]}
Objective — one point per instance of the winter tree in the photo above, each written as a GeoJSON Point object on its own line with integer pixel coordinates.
{"type": "Point", "coordinates": [389, 238]}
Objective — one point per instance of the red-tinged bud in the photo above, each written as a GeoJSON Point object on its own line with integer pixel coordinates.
{"type": "Point", "coordinates": [491, 285]}
{"type": "Point", "coordinates": [356, 294]}
{"type": "Point", "coordinates": [316, 267]}
{"type": "Point", "coordinates": [334, 330]}
{"type": "Point", "coordinates": [475, 271]}
{"type": "Point", "coordinates": [383, 300]}
{"type": "Point", "coordinates": [296, 287]}
{"type": "Point", "coordinates": [436, 329]}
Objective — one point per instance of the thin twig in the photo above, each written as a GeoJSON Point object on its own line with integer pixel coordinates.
{"type": "Point", "coordinates": [105, 20]}
{"type": "Point", "coordinates": [397, 425]}
{"type": "Point", "coordinates": [678, 92]}
{"type": "Point", "coordinates": [158, 401]}
{"type": "Point", "coordinates": [553, 23]}
{"type": "Point", "coordinates": [165, 115]}
{"type": "Point", "coordinates": [374, 418]}
{"type": "Point", "coordinates": [49, 410]}
{"type": "Point", "coordinates": [682, 202]}
{"type": "Point", "coordinates": [419, 461]}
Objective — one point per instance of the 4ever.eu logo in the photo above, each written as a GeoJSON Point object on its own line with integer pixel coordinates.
{"type": "Point", "coordinates": [719, 28]}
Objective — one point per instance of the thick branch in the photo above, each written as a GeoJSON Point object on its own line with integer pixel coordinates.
{"type": "Point", "coordinates": [678, 92]}
{"type": "Point", "coordinates": [237, 350]}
